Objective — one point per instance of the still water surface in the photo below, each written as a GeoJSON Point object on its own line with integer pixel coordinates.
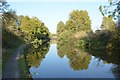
{"type": "Point", "coordinates": [53, 66]}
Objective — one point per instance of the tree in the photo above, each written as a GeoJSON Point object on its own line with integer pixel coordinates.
{"type": "Point", "coordinates": [79, 20]}
{"type": "Point", "coordinates": [114, 42]}
{"type": "Point", "coordinates": [113, 10]}
{"type": "Point", "coordinates": [108, 24]}
{"type": "Point", "coordinates": [8, 15]}
{"type": "Point", "coordinates": [60, 27]}
{"type": "Point", "coordinates": [34, 29]}
{"type": "Point", "coordinates": [4, 7]}
{"type": "Point", "coordinates": [9, 37]}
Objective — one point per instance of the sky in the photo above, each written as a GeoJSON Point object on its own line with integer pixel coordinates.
{"type": "Point", "coordinates": [55, 11]}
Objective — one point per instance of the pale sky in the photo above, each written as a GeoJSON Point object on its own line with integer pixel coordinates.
{"type": "Point", "coordinates": [52, 12]}
{"type": "Point", "coordinates": [57, 0]}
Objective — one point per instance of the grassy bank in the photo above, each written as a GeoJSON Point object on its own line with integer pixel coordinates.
{"type": "Point", "coordinates": [23, 67]}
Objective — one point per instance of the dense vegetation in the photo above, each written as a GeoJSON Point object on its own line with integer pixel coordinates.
{"type": "Point", "coordinates": [18, 30]}
{"type": "Point", "coordinates": [112, 11]}
{"type": "Point", "coordinates": [33, 29]}
{"type": "Point", "coordinates": [78, 27]}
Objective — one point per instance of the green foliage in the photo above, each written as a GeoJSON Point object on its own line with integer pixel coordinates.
{"type": "Point", "coordinates": [60, 27]}
{"type": "Point", "coordinates": [108, 24]}
{"type": "Point", "coordinates": [81, 43]}
{"type": "Point", "coordinates": [30, 29]}
{"type": "Point", "coordinates": [37, 43]}
{"type": "Point", "coordinates": [10, 39]}
{"type": "Point", "coordinates": [62, 40]}
{"type": "Point", "coordinates": [78, 27]}
{"type": "Point", "coordinates": [78, 59]}
{"type": "Point", "coordinates": [33, 29]}
{"type": "Point", "coordinates": [34, 55]}
{"type": "Point", "coordinates": [10, 34]}
{"type": "Point", "coordinates": [9, 19]}
{"type": "Point", "coordinates": [18, 29]}
{"type": "Point", "coordinates": [8, 15]}
{"type": "Point", "coordinates": [99, 40]}
{"type": "Point", "coordinates": [114, 42]}
{"type": "Point", "coordinates": [64, 35]}
{"type": "Point", "coordinates": [79, 20]}
{"type": "Point", "coordinates": [23, 67]}
{"type": "Point", "coordinates": [70, 43]}
{"type": "Point", "coordinates": [113, 9]}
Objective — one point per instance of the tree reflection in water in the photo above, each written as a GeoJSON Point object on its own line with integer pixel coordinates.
{"type": "Point", "coordinates": [34, 56]}
{"type": "Point", "coordinates": [78, 59]}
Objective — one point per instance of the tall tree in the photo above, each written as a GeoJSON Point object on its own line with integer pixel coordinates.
{"type": "Point", "coordinates": [79, 20]}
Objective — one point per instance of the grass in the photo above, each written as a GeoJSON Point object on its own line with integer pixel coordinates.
{"type": "Point", "coordinates": [23, 67]}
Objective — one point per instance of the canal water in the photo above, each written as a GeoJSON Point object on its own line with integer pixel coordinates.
{"type": "Point", "coordinates": [68, 63]}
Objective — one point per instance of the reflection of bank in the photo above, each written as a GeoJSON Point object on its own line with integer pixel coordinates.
{"type": "Point", "coordinates": [110, 57]}
{"type": "Point", "coordinates": [78, 59]}
{"type": "Point", "coordinates": [53, 41]}
{"type": "Point", "coordinates": [34, 56]}
{"type": "Point", "coordinates": [53, 38]}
